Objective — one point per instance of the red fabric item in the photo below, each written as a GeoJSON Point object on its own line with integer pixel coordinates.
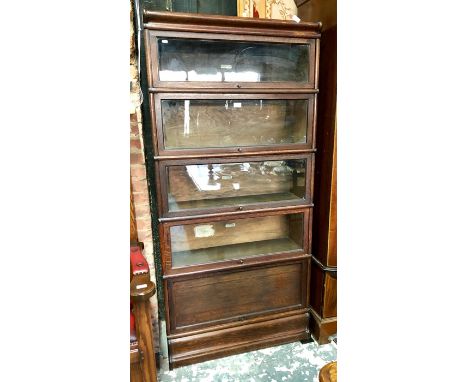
{"type": "Point", "coordinates": [138, 261]}
{"type": "Point", "coordinates": [255, 12]}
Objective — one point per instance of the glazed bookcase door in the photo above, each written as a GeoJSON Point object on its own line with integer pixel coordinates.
{"type": "Point", "coordinates": [196, 124]}
{"type": "Point", "coordinates": [235, 239]}
{"type": "Point", "coordinates": [210, 186]}
{"type": "Point", "coordinates": [228, 61]}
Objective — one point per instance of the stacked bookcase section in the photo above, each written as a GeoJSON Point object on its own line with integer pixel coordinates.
{"type": "Point", "coordinates": [233, 108]}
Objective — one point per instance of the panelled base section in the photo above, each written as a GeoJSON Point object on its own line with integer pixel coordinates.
{"type": "Point", "coordinates": [322, 328]}
{"type": "Point", "coordinates": [220, 313]}
{"type": "Point", "coordinates": [249, 336]}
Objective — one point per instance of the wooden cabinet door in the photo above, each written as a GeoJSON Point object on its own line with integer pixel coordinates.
{"type": "Point", "coordinates": [185, 60]}
{"type": "Point", "coordinates": [203, 186]}
{"type": "Point", "coordinates": [235, 295]}
{"type": "Point", "coordinates": [199, 124]}
{"type": "Point", "coordinates": [226, 241]}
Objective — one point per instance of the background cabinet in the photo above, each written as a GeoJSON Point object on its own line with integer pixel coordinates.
{"type": "Point", "coordinates": [324, 248]}
{"type": "Point", "coordinates": [233, 110]}
{"type": "Point", "coordinates": [216, 7]}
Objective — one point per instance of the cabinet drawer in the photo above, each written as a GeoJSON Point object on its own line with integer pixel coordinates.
{"type": "Point", "coordinates": [222, 297]}
{"type": "Point", "coordinates": [232, 123]}
{"type": "Point", "coordinates": [220, 59]}
{"type": "Point", "coordinates": [195, 187]}
{"type": "Point", "coordinates": [234, 239]}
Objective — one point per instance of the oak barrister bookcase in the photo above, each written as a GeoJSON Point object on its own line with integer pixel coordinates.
{"type": "Point", "coordinates": [233, 109]}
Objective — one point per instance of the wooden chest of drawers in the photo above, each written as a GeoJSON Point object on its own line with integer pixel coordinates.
{"type": "Point", "coordinates": [233, 110]}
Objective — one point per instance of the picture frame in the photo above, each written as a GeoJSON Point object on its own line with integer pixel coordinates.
{"type": "Point", "coordinates": [267, 9]}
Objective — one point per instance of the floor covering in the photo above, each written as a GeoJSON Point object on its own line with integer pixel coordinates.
{"type": "Point", "coordinates": [290, 362]}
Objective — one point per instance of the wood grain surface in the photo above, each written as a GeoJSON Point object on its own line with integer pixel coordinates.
{"type": "Point", "coordinates": [322, 328]}
{"type": "Point", "coordinates": [272, 330]}
{"type": "Point", "coordinates": [229, 306]}
{"type": "Point", "coordinates": [229, 295]}
{"type": "Point", "coordinates": [329, 297]}
{"type": "Point", "coordinates": [219, 24]}
{"type": "Point", "coordinates": [328, 373]}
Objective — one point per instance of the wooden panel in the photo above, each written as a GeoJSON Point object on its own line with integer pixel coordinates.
{"type": "Point", "coordinates": [135, 373]}
{"type": "Point", "coordinates": [142, 311]}
{"type": "Point", "coordinates": [228, 296]}
{"type": "Point", "coordinates": [323, 292]}
{"type": "Point", "coordinates": [218, 24]}
{"type": "Point", "coordinates": [317, 278]}
{"type": "Point", "coordinates": [318, 10]}
{"type": "Point", "coordinates": [321, 329]}
{"type": "Point", "coordinates": [326, 130]}
{"type": "Point", "coordinates": [329, 297]}
{"type": "Point", "coordinates": [332, 232]}
{"type": "Point", "coordinates": [220, 343]}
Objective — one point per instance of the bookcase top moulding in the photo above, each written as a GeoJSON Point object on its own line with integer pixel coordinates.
{"type": "Point", "coordinates": [191, 22]}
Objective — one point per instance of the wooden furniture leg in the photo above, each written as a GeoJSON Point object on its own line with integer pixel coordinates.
{"type": "Point", "coordinates": [141, 289]}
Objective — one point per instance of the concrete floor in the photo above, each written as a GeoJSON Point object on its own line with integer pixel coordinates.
{"type": "Point", "coordinates": [290, 362]}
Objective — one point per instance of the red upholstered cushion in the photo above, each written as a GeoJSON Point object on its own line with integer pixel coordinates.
{"type": "Point", "coordinates": [138, 261]}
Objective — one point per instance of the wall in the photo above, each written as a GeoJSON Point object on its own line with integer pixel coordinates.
{"type": "Point", "coordinates": [138, 178]}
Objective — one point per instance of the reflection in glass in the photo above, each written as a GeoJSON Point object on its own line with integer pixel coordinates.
{"type": "Point", "coordinates": [233, 61]}
{"type": "Point", "coordinates": [205, 123]}
{"type": "Point", "coordinates": [238, 238]}
{"type": "Point", "coordinates": [201, 186]}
